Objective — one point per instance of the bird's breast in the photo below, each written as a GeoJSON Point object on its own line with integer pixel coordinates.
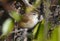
{"type": "Point", "coordinates": [31, 23]}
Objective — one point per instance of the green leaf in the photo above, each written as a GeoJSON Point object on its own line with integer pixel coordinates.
{"type": "Point", "coordinates": [15, 15]}
{"type": "Point", "coordinates": [39, 32]}
{"type": "Point", "coordinates": [7, 26]}
{"type": "Point", "coordinates": [35, 29]}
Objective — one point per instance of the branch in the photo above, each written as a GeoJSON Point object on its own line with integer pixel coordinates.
{"type": "Point", "coordinates": [26, 2]}
{"type": "Point", "coordinates": [31, 7]}
{"type": "Point", "coordinates": [47, 12]}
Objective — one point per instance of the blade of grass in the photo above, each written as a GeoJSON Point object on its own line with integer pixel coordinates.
{"type": "Point", "coordinates": [46, 4]}
{"type": "Point", "coordinates": [39, 36]}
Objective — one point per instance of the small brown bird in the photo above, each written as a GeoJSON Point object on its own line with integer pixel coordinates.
{"type": "Point", "coordinates": [29, 20]}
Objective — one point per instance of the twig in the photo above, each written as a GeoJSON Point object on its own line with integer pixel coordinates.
{"type": "Point", "coordinates": [31, 7]}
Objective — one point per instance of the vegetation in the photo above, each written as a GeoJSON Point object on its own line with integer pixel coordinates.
{"type": "Point", "coordinates": [12, 13]}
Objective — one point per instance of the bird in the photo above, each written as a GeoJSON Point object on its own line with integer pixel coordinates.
{"type": "Point", "coordinates": [29, 20]}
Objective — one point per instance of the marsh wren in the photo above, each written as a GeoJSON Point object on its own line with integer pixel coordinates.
{"type": "Point", "coordinates": [29, 20]}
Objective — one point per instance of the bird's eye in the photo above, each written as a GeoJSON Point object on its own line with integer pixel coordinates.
{"type": "Point", "coordinates": [34, 14]}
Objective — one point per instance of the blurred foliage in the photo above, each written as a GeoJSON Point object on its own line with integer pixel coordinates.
{"type": "Point", "coordinates": [33, 6]}
{"type": "Point", "coordinates": [40, 31]}
{"type": "Point", "coordinates": [55, 34]}
{"type": "Point", "coordinates": [59, 2]}
{"type": "Point", "coordinates": [7, 28]}
{"type": "Point", "coordinates": [15, 15]}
